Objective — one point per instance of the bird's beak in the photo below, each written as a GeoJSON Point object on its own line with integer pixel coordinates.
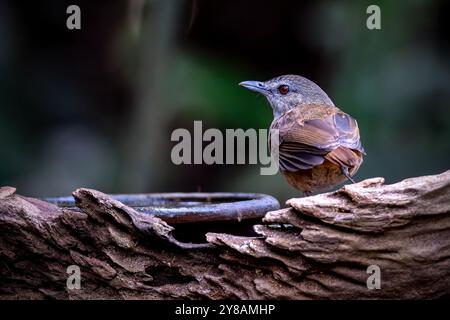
{"type": "Point", "coordinates": [256, 86]}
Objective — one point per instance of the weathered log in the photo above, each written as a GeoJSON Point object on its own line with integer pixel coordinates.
{"type": "Point", "coordinates": [318, 248]}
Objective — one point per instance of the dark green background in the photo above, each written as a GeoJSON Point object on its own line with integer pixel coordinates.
{"type": "Point", "coordinates": [96, 107]}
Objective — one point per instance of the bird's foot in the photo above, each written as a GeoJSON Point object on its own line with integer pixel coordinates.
{"type": "Point", "coordinates": [307, 193]}
{"type": "Point", "coordinates": [344, 170]}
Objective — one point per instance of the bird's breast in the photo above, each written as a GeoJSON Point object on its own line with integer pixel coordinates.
{"type": "Point", "coordinates": [320, 178]}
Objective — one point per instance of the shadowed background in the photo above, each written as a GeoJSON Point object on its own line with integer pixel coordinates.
{"type": "Point", "coordinates": [96, 107]}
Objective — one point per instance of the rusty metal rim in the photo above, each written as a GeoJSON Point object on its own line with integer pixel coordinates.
{"type": "Point", "coordinates": [177, 208]}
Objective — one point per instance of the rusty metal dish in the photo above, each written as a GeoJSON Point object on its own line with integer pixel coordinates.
{"type": "Point", "coordinates": [179, 208]}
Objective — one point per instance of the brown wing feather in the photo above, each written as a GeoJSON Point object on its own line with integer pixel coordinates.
{"type": "Point", "coordinates": [344, 157]}
{"type": "Point", "coordinates": [348, 130]}
{"type": "Point", "coordinates": [307, 137]}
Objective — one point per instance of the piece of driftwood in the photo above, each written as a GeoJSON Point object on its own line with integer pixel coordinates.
{"type": "Point", "coordinates": [319, 248]}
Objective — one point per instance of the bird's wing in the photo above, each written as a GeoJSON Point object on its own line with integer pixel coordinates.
{"type": "Point", "coordinates": [305, 144]}
{"type": "Point", "coordinates": [348, 130]}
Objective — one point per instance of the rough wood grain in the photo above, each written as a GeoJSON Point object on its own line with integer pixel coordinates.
{"type": "Point", "coordinates": [318, 248]}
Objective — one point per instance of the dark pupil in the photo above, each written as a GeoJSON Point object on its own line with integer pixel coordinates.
{"type": "Point", "coordinates": [283, 89]}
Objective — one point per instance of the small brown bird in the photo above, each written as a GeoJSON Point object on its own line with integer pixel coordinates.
{"type": "Point", "coordinates": [319, 144]}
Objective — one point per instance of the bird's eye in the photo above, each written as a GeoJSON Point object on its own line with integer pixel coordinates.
{"type": "Point", "coordinates": [283, 89]}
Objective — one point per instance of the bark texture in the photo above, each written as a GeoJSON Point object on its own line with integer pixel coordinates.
{"type": "Point", "coordinates": [320, 247]}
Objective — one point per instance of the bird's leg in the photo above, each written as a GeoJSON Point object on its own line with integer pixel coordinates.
{"type": "Point", "coordinates": [344, 170]}
{"type": "Point", "coordinates": [307, 193]}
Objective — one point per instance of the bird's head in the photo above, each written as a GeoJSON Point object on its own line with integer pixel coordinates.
{"type": "Point", "coordinates": [288, 91]}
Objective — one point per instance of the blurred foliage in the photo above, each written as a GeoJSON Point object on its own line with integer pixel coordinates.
{"type": "Point", "coordinates": [96, 108]}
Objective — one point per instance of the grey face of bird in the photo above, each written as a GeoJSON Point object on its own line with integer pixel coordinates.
{"type": "Point", "coordinates": [289, 91]}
